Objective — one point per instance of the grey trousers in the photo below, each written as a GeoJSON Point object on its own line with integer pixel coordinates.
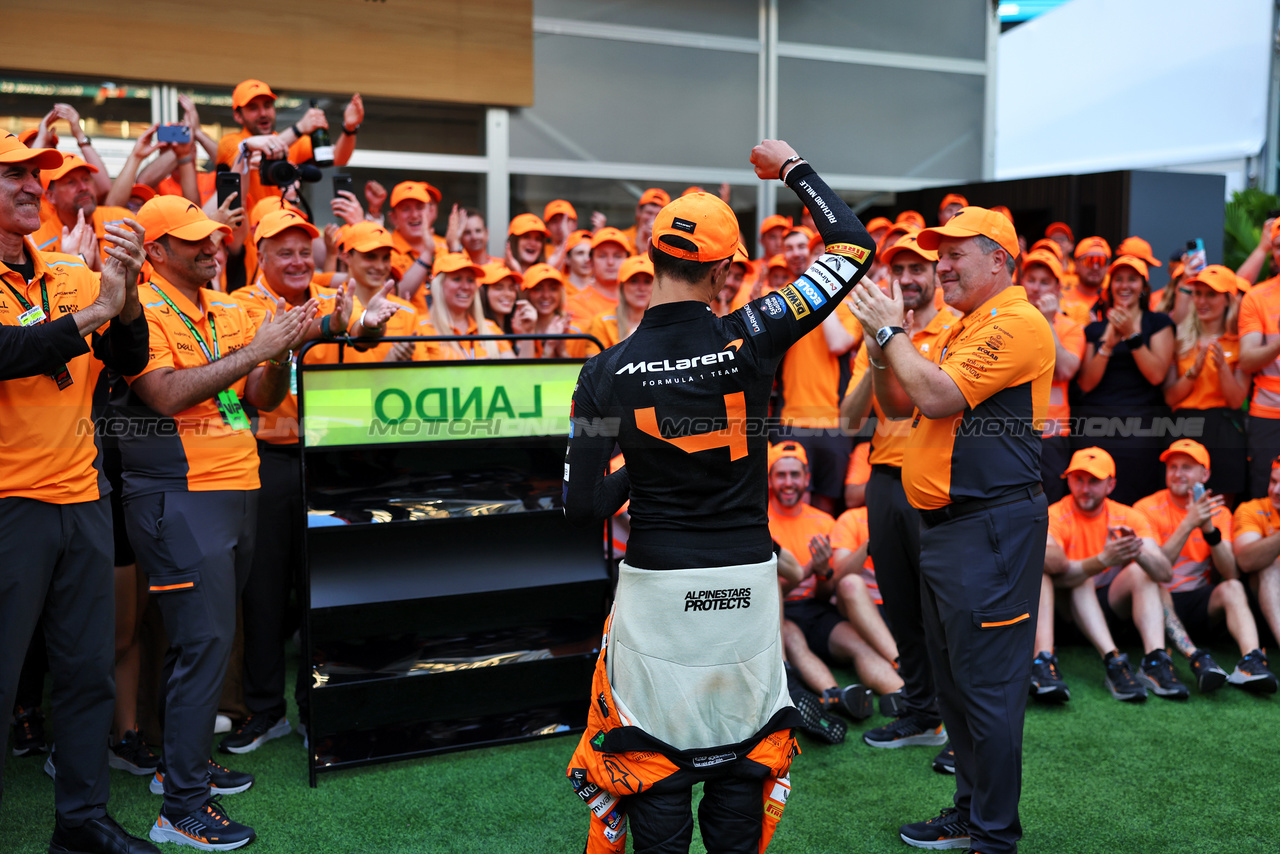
{"type": "Point", "coordinates": [196, 548]}
{"type": "Point", "coordinates": [57, 562]}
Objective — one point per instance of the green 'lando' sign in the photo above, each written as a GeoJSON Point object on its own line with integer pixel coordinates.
{"type": "Point", "coordinates": [438, 401]}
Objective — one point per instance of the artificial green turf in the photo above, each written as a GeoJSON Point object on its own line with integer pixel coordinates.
{"type": "Point", "coordinates": [1099, 776]}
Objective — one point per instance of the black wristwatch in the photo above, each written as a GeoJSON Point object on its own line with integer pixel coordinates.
{"type": "Point", "coordinates": [352, 131]}
{"type": "Point", "coordinates": [884, 333]}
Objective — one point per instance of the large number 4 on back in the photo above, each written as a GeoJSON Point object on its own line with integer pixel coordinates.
{"type": "Point", "coordinates": [733, 436]}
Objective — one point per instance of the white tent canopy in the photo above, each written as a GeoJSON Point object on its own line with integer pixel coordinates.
{"type": "Point", "coordinates": [1097, 85]}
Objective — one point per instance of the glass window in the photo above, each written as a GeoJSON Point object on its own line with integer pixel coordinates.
{"type": "Point", "coordinates": [957, 28]}
{"type": "Point", "coordinates": [116, 109]}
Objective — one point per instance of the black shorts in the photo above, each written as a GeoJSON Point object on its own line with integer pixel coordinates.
{"type": "Point", "coordinates": [1192, 608]}
{"type": "Point", "coordinates": [816, 619]}
{"type": "Point", "coordinates": [828, 452]}
{"type": "Point", "coordinates": [1223, 435]}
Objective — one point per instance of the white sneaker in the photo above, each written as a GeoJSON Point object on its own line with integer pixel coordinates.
{"type": "Point", "coordinates": [221, 724]}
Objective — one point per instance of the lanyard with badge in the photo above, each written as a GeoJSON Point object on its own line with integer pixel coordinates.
{"type": "Point", "coordinates": [229, 407]}
{"type": "Point", "coordinates": [31, 315]}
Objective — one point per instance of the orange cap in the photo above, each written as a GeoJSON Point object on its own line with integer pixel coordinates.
{"type": "Point", "coordinates": [363, 236]}
{"type": "Point", "coordinates": [247, 91]}
{"type": "Point", "coordinates": [778, 260]}
{"type": "Point", "coordinates": [177, 216]}
{"type": "Point", "coordinates": [908, 243]}
{"type": "Point", "coordinates": [497, 270]}
{"type": "Point", "coordinates": [1044, 258]}
{"type": "Point", "coordinates": [788, 448]}
{"type": "Point", "coordinates": [635, 265]}
{"type": "Point", "coordinates": [808, 232]}
{"type": "Point", "coordinates": [1221, 279]}
{"type": "Point", "coordinates": [1093, 244]}
{"type": "Point", "coordinates": [266, 206]}
{"type": "Point", "coordinates": [13, 151]}
{"type": "Point", "coordinates": [1060, 228]}
{"type": "Point", "coordinates": [1138, 248]}
{"type": "Point", "coordinates": [1275, 229]}
{"type": "Point", "coordinates": [971, 222]}
{"type": "Point", "coordinates": [527, 223]}
{"type": "Point", "coordinates": [1191, 448]}
{"type": "Point", "coordinates": [655, 196]}
{"type": "Point", "coordinates": [894, 234]}
{"type": "Point", "coordinates": [31, 133]}
{"type": "Point", "coordinates": [953, 199]}
{"type": "Point", "coordinates": [453, 262]}
{"type": "Point", "coordinates": [576, 237]}
{"type": "Point", "coordinates": [609, 234]}
{"type": "Point", "coordinates": [1094, 461]}
{"type": "Point", "coordinates": [420, 190]}
{"type": "Point", "coordinates": [70, 163]}
{"type": "Point", "coordinates": [142, 191]}
{"type": "Point", "coordinates": [1003, 211]}
{"type": "Point", "coordinates": [282, 220]}
{"type": "Point", "coordinates": [740, 255]}
{"type": "Point", "coordinates": [775, 221]}
{"type": "Point", "coordinates": [703, 221]}
{"type": "Point", "coordinates": [688, 191]}
{"type": "Point", "coordinates": [1050, 245]}
{"type": "Point", "coordinates": [878, 223]}
{"type": "Point", "coordinates": [911, 218]}
{"type": "Point", "coordinates": [344, 231]}
{"type": "Point", "coordinates": [1136, 264]}
{"type": "Point", "coordinates": [539, 273]}
{"type": "Point", "coordinates": [556, 207]}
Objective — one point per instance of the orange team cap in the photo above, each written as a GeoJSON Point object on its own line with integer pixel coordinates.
{"type": "Point", "coordinates": [1003, 211]}
{"type": "Point", "coordinates": [1138, 248]}
{"type": "Point", "coordinates": [655, 196]}
{"type": "Point", "coordinates": [70, 162]}
{"type": "Point", "coordinates": [527, 223]}
{"type": "Point", "coordinates": [177, 216]}
{"type": "Point", "coordinates": [775, 221]}
{"type": "Point", "coordinates": [1221, 279]}
{"type": "Point", "coordinates": [1044, 258]}
{"type": "Point", "coordinates": [247, 91]}
{"type": "Point", "coordinates": [634, 265]}
{"type": "Point", "coordinates": [556, 207]}
{"type": "Point", "coordinates": [789, 448]}
{"type": "Point", "coordinates": [1094, 461]}
{"type": "Point", "coordinates": [31, 133]}
{"type": "Point", "coordinates": [420, 190]}
{"type": "Point", "coordinates": [1136, 264]}
{"type": "Point", "coordinates": [1093, 244]}
{"type": "Point", "coordinates": [878, 223]}
{"type": "Point", "coordinates": [344, 231]}
{"type": "Point", "coordinates": [1049, 244]}
{"type": "Point", "coordinates": [688, 191]}
{"type": "Point", "coordinates": [894, 233]}
{"type": "Point", "coordinates": [268, 205]}
{"type": "Point", "coordinates": [740, 255]}
{"type": "Point", "coordinates": [142, 191]}
{"type": "Point", "coordinates": [453, 262]}
{"type": "Point", "coordinates": [1275, 464]}
{"type": "Point", "coordinates": [12, 150]}
{"type": "Point", "coordinates": [497, 270]}
{"type": "Point", "coordinates": [909, 243]}
{"type": "Point", "coordinates": [808, 232]}
{"type": "Point", "coordinates": [1191, 448]}
{"type": "Point", "coordinates": [776, 261]}
{"type": "Point", "coordinates": [910, 218]}
{"type": "Point", "coordinates": [1060, 228]}
{"type": "Point", "coordinates": [1275, 229]}
{"type": "Point", "coordinates": [611, 235]}
{"type": "Point", "coordinates": [364, 236]}
{"type": "Point", "coordinates": [539, 273]}
{"type": "Point", "coordinates": [953, 199]}
{"type": "Point", "coordinates": [702, 220]}
{"type": "Point", "coordinates": [280, 221]}
{"type": "Point", "coordinates": [576, 237]}
{"type": "Point", "coordinates": [971, 222]}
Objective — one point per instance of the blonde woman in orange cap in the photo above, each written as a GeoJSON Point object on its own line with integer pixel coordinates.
{"type": "Point", "coordinates": [635, 287]}
{"type": "Point", "coordinates": [456, 310]}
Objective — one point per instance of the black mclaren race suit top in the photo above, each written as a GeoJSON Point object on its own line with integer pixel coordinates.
{"type": "Point", "coordinates": [686, 398]}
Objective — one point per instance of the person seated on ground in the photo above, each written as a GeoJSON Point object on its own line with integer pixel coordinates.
{"type": "Point", "coordinates": [635, 287]}
{"type": "Point", "coordinates": [544, 287]}
{"type": "Point", "coordinates": [638, 234]}
{"type": "Point", "coordinates": [368, 258]}
{"type": "Point", "coordinates": [609, 248]}
{"type": "Point", "coordinates": [456, 310]}
{"type": "Point", "coordinates": [1256, 545]}
{"type": "Point", "coordinates": [414, 207]}
{"type": "Point", "coordinates": [812, 628]}
{"type": "Point", "coordinates": [1195, 535]}
{"type": "Point", "coordinates": [577, 263]}
{"type": "Point", "coordinates": [1106, 556]}
{"type": "Point", "coordinates": [79, 222]}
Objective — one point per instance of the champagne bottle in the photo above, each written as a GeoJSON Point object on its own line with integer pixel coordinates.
{"type": "Point", "coordinates": [321, 146]}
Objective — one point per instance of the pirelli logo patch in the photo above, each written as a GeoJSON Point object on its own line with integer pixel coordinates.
{"type": "Point", "coordinates": [857, 253]}
{"type": "Point", "coordinates": [795, 302]}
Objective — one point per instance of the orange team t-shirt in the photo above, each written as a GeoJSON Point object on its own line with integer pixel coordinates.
{"type": "Point", "coordinates": [403, 323]}
{"type": "Point", "coordinates": [1191, 569]}
{"type": "Point", "coordinates": [229, 147]}
{"type": "Point", "coordinates": [1076, 306]}
{"type": "Point", "coordinates": [48, 238]}
{"type": "Point", "coordinates": [45, 454]}
{"type": "Point", "coordinates": [589, 305]}
{"type": "Point", "coordinates": [1058, 416]}
{"type": "Point", "coordinates": [280, 425]}
{"type": "Point", "coordinates": [1001, 357]}
{"type": "Point", "coordinates": [1260, 312]}
{"type": "Point", "coordinates": [859, 470]}
{"type": "Point", "coordinates": [890, 439]}
{"type": "Point", "coordinates": [850, 532]}
{"type": "Point", "coordinates": [605, 328]}
{"type": "Point", "coordinates": [793, 534]}
{"type": "Point", "coordinates": [811, 376]}
{"type": "Point", "coordinates": [1081, 537]}
{"type": "Point", "coordinates": [206, 183]}
{"type": "Point", "coordinates": [1258, 516]}
{"type": "Point", "coordinates": [442, 351]}
{"type": "Point", "coordinates": [202, 453]}
{"type": "Point", "coordinates": [402, 257]}
{"type": "Point", "coordinates": [1206, 393]}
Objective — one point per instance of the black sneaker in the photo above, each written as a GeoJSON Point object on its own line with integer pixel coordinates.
{"type": "Point", "coordinates": [946, 830]}
{"type": "Point", "coordinates": [208, 828]}
{"type": "Point", "coordinates": [817, 723]}
{"type": "Point", "coordinates": [1120, 681]}
{"type": "Point", "coordinates": [893, 705]}
{"type": "Point", "coordinates": [1253, 673]}
{"type": "Point", "coordinates": [97, 834]}
{"type": "Point", "coordinates": [1209, 676]}
{"type": "Point", "coordinates": [132, 754]}
{"type": "Point", "coordinates": [907, 730]}
{"type": "Point", "coordinates": [1046, 679]}
{"type": "Point", "coordinates": [945, 762]}
{"type": "Point", "coordinates": [852, 701]}
{"type": "Point", "coordinates": [1157, 674]}
{"type": "Point", "coordinates": [256, 731]}
{"type": "Point", "coordinates": [28, 732]}
{"type": "Point", "coordinates": [222, 781]}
